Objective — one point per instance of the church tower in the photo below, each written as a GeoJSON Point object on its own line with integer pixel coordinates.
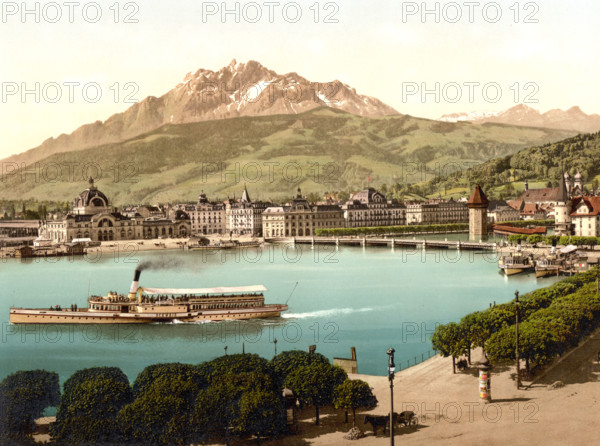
{"type": "Point", "coordinates": [578, 183]}
{"type": "Point", "coordinates": [478, 206]}
{"type": "Point", "coordinates": [567, 182]}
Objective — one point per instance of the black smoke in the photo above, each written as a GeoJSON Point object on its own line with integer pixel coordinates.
{"type": "Point", "coordinates": [158, 264]}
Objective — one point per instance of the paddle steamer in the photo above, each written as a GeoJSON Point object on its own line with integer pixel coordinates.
{"type": "Point", "coordinates": [146, 305]}
{"type": "Point", "coordinates": [516, 263]}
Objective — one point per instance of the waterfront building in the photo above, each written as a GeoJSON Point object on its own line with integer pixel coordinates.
{"type": "Point", "coordinates": [93, 217]}
{"type": "Point", "coordinates": [15, 232]}
{"type": "Point", "coordinates": [369, 208]}
{"type": "Point", "coordinates": [556, 202]}
{"type": "Point", "coordinates": [500, 212]}
{"type": "Point", "coordinates": [175, 226]}
{"type": "Point", "coordinates": [300, 218]}
{"type": "Point", "coordinates": [585, 216]}
{"type": "Point", "coordinates": [206, 217]}
{"type": "Point", "coordinates": [436, 212]}
{"type": "Point", "coordinates": [535, 204]}
{"type": "Point", "coordinates": [478, 206]}
{"type": "Point", "coordinates": [244, 216]}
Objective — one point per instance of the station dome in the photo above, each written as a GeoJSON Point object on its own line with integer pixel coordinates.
{"type": "Point", "coordinates": [91, 197]}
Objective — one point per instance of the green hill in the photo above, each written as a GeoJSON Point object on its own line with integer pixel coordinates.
{"type": "Point", "coordinates": [319, 150]}
{"type": "Point", "coordinates": [504, 176]}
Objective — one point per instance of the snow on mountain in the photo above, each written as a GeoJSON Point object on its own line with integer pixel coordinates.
{"type": "Point", "coordinates": [523, 115]}
{"type": "Point", "coordinates": [238, 89]}
{"type": "Point", "coordinates": [467, 116]}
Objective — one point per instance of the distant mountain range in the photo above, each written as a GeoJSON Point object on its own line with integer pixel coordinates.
{"type": "Point", "coordinates": [523, 115]}
{"type": "Point", "coordinates": [323, 149]}
{"type": "Point", "coordinates": [239, 89]}
{"type": "Point", "coordinates": [245, 114]}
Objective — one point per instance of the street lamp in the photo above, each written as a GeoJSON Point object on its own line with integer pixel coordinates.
{"type": "Point", "coordinates": [391, 370]}
{"type": "Point", "coordinates": [275, 342]}
{"type": "Point", "coordinates": [517, 339]}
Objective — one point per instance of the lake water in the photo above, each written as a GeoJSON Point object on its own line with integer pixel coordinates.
{"type": "Point", "coordinates": [372, 298]}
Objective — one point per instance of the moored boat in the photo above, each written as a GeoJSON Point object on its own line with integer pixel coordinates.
{"type": "Point", "coordinates": [146, 305]}
{"type": "Point", "coordinates": [515, 263]}
{"type": "Point", "coordinates": [548, 266]}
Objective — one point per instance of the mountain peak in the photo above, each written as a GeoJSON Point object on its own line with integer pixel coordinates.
{"type": "Point", "coordinates": [238, 89]}
{"type": "Point", "coordinates": [575, 110]}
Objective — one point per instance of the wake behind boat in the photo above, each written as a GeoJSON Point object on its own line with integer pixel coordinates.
{"type": "Point", "coordinates": [146, 305]}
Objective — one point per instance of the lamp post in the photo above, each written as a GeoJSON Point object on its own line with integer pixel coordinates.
{"type": "Point", "coordinates": [275, 342]}
{"type": "Point", "coordinates": [391, 370]}
{"type": "Point", "coordinates": [517, 340]}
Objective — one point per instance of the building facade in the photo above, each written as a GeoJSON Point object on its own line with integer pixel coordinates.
{"type": "Point", "coordinates": [585, 216]}
{"type": "Point", "coordinates": [369, 208]}
{"type": "Point", "coordinates": [300, 219]}
{"type": "Point", "coordinates": [244, 216]}
{"type": "Point", "coordinates": [502, 212]}
{"type": "Point", "coordinates": [436, 212]}
{"type": "Point", "coordinates": [93, 217]}
{"type": "Point", "coordinates": [206, 217]}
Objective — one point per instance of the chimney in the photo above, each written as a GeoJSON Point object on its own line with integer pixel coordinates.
{"type": "Point", "coordinates": [134, 284]}
{"type": "Point", "coordinates": [353, 353]}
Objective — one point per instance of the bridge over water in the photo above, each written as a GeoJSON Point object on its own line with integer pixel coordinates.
{"type": "Point", "coordinates": [387, 241]}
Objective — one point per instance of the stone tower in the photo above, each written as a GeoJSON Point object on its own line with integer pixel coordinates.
{"type": "Point", "coordinates": [478, 206]}
{"type": "Point", "coordinates": [562, 209]}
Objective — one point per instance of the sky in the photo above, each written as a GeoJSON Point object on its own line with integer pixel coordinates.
{"type": "Point", "coordinates": [65, 64]}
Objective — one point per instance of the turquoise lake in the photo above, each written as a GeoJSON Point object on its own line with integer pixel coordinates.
{"type": "Point", "coordinates": [372, 298]}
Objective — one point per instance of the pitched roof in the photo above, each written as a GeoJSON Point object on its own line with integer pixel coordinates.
{"type": "Point", "coordinates": [542, 195]}
{"type": "Point", "coordinates": [517, 205]}
{"type": "Point", "coordinates": [593, 203]}
{"type": "Point", "coordinates": [531, 209]}
{"type": "Point", "coordinates": [478, 198]}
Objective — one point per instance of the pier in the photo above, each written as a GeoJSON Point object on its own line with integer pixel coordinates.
{"type": "Point", "coordinates": [385, 241]}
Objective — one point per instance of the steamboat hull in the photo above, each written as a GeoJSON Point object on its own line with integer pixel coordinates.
{"type": "Point", "coordinates": [513, 271]}
{"type": "Point", "coordinates": [155, 305]}
{"type": "Point", "coordinates": [38, 316]}
{"type": "Point", "coordinates": [546, 272]}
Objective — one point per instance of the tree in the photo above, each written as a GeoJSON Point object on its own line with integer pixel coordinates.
{"type": "Point", "coordinates": [156, 418]}
{"type": "Point", "coordinates": [91, 400]}
{"type": "Point", "coordinates": [353, 394]}
{"type": "Point", "coordinates": [261, 413]}
{"type": "Point", "coordinates": [165, 398]}
{"type": "Point", "coordinates": [314, 384]}
{"type": "Point", "coordinates": [450, 340]}
{"type": "Point", "coordinates": [147, 377]}
{"type": "Point", "coordinates": [218, 407]}
{"type": "Point", "coordinates": [236, 364]}
{"type": "Point", "coordinates": [288, 361]}
{"type": "Point", "coordinates": [477, 329]}
{"type": "Point", "coordinates": [23, 397]}
{"type": "Point", "coordinates": [500, 347]}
